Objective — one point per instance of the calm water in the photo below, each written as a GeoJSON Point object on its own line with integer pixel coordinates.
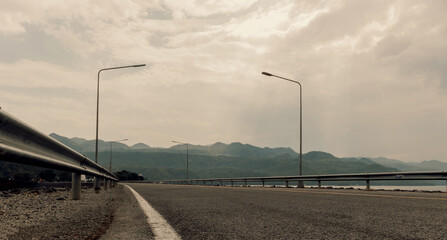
{"type": "Point", "coordinates": [421, 188]}
{"type": "Point", "coordinates": [441, 188]}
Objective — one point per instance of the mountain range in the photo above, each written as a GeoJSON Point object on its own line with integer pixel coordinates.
{"type": "Point", "coordinates": [237, 149]}
{"type": "Point", "coordinates": [428, 165]}
{"type": "Point", "coordinates": [83, 145]}
{"type": "Point", "coordinates": [233, 160]}
{"type": "Point", "coordinates": [227, 160]}
{"type": "Point", "coordinates": [218, 148]}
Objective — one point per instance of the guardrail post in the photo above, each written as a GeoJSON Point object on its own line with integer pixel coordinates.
{"type": "Point", "coordinates": [221, 183]}
{"type": "Point", "coordinates": [263, 183]}
{"type": "Point", "coordinates": [319, 183]}
{"type": "Point", "coordinates": [96, 185]}
{"type": "Point", "coordinates": [245, 183]}
{"type": "Point", "coordinates": [75, 186]}
{"type": "Point", "coordinates": [287, 184]}
{"type": "Point", "coordinates": [368, 187]}
{"type": "Point", "coordinates": [232, 183]}
{"type": "Point", "coordinates": [106, 184]}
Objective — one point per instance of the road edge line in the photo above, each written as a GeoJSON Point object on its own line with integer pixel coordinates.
{"type": "Point", "coordinates": [160, 227]}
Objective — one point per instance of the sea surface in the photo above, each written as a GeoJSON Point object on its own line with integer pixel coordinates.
{"type": "Point", "coordinates": [441, 188]}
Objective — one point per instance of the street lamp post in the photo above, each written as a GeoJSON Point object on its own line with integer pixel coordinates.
{"type": "Point", "coordinates": [187, 161]}
{"type": "Point", "coordinates": [97, 188]}
{"type": "Point", "coordinates": [300, 183]}
{"type": "Point", "coordinates": [156, 169]}
{"type": "Point", "coordinates": [111, 143]}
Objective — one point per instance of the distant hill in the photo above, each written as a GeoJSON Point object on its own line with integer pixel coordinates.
{"type": "Point", "coordinates": [172, 165]}
{"type": "Point", "coordinates": [226, 160]}
{"type": "Point", "coordinates": [232, 160]}
{"type": "Point", "coordinates": [140, 146]}
{"type": "Point", "coordinates": [238, 149]}
{"type": "Point", "coordinates": [233, 149]}
{"type": "Point", "coordinates": [431, 165]}
{"type": "Point", "coordinates": [83, 145]}
{"type": "Point", "coordinates": [434, 165]}
{"type": "Point", "coordinates": [326, 163]}
{"type": "Point", "coordinates": [72, 143]}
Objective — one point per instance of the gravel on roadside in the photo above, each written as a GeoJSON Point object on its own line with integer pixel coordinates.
{"type": "Point", "coordinates": [129, 222]}
{"type": "Point", "coordinates": [51, 214]}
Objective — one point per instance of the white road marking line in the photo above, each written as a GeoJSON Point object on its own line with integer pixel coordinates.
{"type": "Point", "coordinates": [160, 227]}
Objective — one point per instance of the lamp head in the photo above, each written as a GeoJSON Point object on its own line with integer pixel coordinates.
{"type": "Point", "coordinates": [267, 74]}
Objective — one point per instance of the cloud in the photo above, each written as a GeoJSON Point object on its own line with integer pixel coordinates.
{"type": "Point", "coordinates": [373, 73]}
{"type": "Point", "coordinates": [14, 14]}
{"type": "Point", "coordinates": [278, 20]}
{"type": "Point", "coordinates": [9, 26]}
{"type": "Point", "coordinates": [205, 8]}
{"type": "Point", "coordinates": [26, 73]}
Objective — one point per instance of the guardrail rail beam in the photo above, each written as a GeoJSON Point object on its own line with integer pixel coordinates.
{"type": "Point", "coordinates": [21, 143]}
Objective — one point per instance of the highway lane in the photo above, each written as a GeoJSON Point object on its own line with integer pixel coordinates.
{"type": "Point", "coordinates": [210, 212]}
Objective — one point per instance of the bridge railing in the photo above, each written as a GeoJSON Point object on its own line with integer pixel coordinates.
{"type": "Point", "coordinates": [20, 143]}
{"type": "Point", "coordinates": [432, 175]}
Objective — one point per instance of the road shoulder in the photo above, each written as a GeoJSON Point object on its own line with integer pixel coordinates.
{"type": "Point", "coordinates": [129, 221]}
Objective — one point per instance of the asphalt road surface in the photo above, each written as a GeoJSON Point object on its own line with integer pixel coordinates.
{"type": "Point", "coordinates": [211, 212]}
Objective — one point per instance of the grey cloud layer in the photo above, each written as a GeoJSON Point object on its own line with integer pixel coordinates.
{"type": "Point", "coordinates": [373, 72]}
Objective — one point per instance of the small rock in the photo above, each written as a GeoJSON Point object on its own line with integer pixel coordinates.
{"type": "Point", "coordinates": [49, 190]}
{"type": "Point", "coordinates": [15, 191]}
{"type": "Point", "coordinates": [6, 195]}
{"type": "Point", "coordinates": [35, 191]}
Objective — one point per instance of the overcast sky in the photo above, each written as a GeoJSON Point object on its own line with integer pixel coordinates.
{"type": "Point", "coordinates": [374, 73]}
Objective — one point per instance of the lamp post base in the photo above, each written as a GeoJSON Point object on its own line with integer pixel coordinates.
{"type": "Point", "coordinates": [300, 184]}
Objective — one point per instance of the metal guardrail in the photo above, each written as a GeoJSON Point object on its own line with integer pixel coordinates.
{"type": "Point", "coordinates": [20, 143]}
{"type": "Point", "coordinates": [435, 175]}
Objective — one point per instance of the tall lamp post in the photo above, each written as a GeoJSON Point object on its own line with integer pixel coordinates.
{"type": "Point", "coordinates": [300, 183]}
{"type": "Point", "coordinates": [187, 161]}
{"type": "Point", "coordinates": [97, 188]}
{"type": "Point", "coordinates": [156, 169]}
{"type": "Point", "coordinates": [111, 143]}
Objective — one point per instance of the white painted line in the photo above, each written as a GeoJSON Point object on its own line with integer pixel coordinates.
{"type": "Point", "coordinates": [160, 227]}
